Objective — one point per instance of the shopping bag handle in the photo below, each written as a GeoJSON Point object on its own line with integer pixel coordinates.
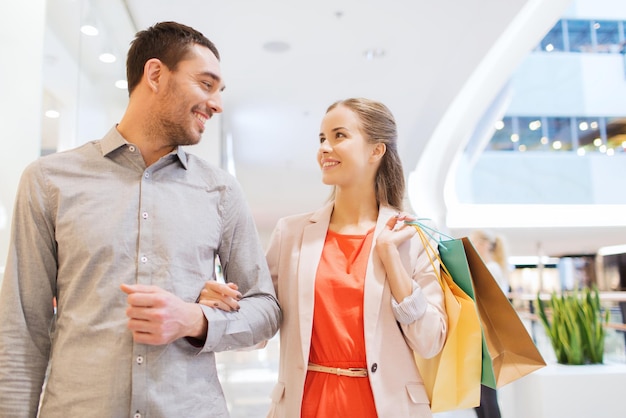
{"type": "Point", "coordinates": [428, 230]}
{"type": "Point", "coordinates": [430, 251]}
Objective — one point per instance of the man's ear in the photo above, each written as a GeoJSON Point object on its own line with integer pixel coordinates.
{"type": "Point", "coordinates": [153, 72]}
{"type": "Point", "coordinates": [378, 151]}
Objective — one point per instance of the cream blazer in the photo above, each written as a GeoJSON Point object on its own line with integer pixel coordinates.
{"type": "Point", "coordinates": [293, 257]}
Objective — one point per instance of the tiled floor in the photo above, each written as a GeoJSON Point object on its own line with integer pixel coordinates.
{"type": "Point", "coordinates": [249, 376]}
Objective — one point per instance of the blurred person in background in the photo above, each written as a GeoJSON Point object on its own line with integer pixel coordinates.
{"type": "Point", "coordinates": [492, 250]}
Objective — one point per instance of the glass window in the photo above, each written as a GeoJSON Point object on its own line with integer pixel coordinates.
{"type": "Point", "coordinates": [588, 130]}
{"type": "Point", "coordinates": [560, 133]}
{"type": "Point", "coordinates": [579, 35]}
{"type": "Point", "coordinates": [530, 133]}
{"type": "Point", "coordinates": [501, 139]}
{"type": "Point", "coordinates": [553, 41]}
{"type": "Point", "coordinates": [607, 35]}
{"type": "Point", "coordinates": [615, 133]}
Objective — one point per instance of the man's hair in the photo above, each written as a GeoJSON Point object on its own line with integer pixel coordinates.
{"type": "Point", "coordinates": [170, 42]}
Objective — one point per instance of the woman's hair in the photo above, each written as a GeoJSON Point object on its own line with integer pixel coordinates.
{"type": "Point", "coordinates": [379, 126]}
{"type": "Point", "coordinates": [497, 247]}
{"type": "Point", "coordinates": [170, 42]}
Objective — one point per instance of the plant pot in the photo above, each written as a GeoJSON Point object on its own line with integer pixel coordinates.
{"type": "Point", "coordinates": [558, 390]}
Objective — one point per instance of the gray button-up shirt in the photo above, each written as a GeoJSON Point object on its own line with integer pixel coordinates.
{"type": "Point", "coordinates": [90, 219]}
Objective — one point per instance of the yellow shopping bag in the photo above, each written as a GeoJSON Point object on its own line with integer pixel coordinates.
{"type": "Point", "coordinates": [452, 378]}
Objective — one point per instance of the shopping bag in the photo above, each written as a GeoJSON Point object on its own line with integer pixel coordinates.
{"type": "Point", "coordinates": [452, 253]}
{"type": "Point", "coordinates": [512, 350]}
{"type": "Point", "coordinates": [452, 378]}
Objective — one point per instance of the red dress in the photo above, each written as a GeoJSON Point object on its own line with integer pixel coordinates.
{"type": "Point", "coordinates": [338, 339]}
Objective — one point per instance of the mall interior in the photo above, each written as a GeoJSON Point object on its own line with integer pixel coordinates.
{"type": "Point", "coordinates": [511, 117]}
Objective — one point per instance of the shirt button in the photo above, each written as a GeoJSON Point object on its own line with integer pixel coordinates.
{"type": "Point", "coordinates": [144, 259]}
{"type": "Point", "coordinates": [139, 359]}
{"type": "Point", "coordinates": [374, 368]}
{"type": "Point", "coordinates": [137, 415]}
{"type": "Point", "coordinates": [145, 215]}
{"type": "Point", "coordinates": [146, 175]}
{"type": "Point", "coordinates": [131, 148]}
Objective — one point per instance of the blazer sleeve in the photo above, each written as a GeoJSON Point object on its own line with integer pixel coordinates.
{"type": "Point", "coordinates": [272, 254]}
{"type": "Point", "coordinates": [426, 334]}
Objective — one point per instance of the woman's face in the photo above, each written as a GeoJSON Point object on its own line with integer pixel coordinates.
{"type": "Point", "coordinates": [482, 245]}
{"type": "Point", "coordinates": [344, 155]}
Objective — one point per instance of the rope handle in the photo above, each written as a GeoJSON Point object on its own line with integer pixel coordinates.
{"type": "Point", "coordinates": [428, 229]}
{"type": "Point", "coordinates": [430, 251]}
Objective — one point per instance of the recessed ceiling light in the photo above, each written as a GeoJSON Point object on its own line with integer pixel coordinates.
{"type": "Point", "coordinates": [52, 114]}
{"type": "Point", "coordinates": [89, 30]}
{"type": "Point", "coordinates": [121, 84]}
{"type": "Point", "coordinates": [374, 53]}
{"type": "Point", "coordinates": [276, 46]}
{"type": "Point", "coordinates": [107, 57]}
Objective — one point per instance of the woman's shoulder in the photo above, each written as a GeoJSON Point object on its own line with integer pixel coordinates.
{"type": "Point", "coordinates": [314, 216]}
{"type": "Point", "coordinates": [294, 222]}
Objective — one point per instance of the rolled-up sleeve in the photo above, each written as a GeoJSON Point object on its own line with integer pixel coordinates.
{"type": "Point", "coordinates": [411, 308]}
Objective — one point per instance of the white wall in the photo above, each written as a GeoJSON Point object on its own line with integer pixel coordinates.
{"type": "Point", "coordinates": [21, 43]}
{"type": "Point", "coordinates": [568, 84]}
{"type": "Point", "coordinates": [543, 178]}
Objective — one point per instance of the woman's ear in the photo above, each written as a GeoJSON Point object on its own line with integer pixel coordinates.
{"type": "Point", "coordinates": [378, 151]}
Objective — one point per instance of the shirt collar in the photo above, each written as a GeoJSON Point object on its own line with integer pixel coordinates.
{"type": "Point", "coordinates": [114, 140]}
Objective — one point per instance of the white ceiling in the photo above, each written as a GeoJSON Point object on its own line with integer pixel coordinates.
{"type": "Point", "coordinates": [274, 101]}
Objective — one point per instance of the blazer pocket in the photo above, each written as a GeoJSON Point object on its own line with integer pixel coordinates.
{"type": "Point", "coordinates": [277, 392]}
{"type": "Point", "coordinates": [275, 396]}
{"type": "Point", "coordinates": [417, 393]}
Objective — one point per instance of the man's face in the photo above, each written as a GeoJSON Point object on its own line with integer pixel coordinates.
{"type": "Point", "coordinates": [192, 94]}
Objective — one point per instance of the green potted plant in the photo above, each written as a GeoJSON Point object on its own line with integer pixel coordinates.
{"type": "Point", "coordinates": [575, 326]}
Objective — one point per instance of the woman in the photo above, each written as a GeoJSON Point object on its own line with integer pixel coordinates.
{"type": "Point", "coordinates": [491, 249]}
{"type": "Point", "coordinates": [346, 344]}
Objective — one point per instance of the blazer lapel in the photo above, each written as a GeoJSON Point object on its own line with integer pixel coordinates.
{"type": "Point", "coordinates": [313, 238]}
{"type": "Point", "coordinates": [375, 279]}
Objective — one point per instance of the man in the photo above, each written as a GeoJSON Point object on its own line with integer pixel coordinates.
{"type": "Point", "coordinates": [124, 233]}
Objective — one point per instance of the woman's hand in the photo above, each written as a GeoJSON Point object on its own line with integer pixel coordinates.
{"type": "Point", "coordinates": [224, 296]}
{"type": "Point", "coordinates": [394, 233]}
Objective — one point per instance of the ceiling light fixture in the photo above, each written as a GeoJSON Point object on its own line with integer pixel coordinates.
{"type": "Point", "coordinates": [276, 46]}
{"type": "Point", "coordinates": [52, 114]}
{"type": "Point", "coordinates": [107, 57]}
{"type": "Point", "coordinates": [89, 30]}
{"type": "Point", "coordinates": [121, 84]}
{"type": "Point", "coordinates": [374, 53]}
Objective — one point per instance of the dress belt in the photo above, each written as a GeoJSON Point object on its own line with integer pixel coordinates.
{"type": "Point", "coordinates": [352, 372]}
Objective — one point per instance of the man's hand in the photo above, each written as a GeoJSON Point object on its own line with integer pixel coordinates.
{"type": "Point", "coordinates": [159, 317]}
